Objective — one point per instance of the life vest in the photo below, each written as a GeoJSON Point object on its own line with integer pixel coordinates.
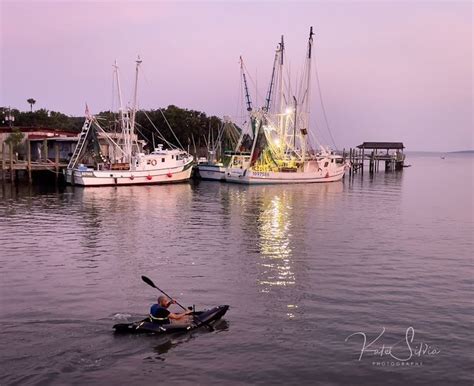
{"type": "Point", "coordinates": [156, 309]}
{"type": "Point", "coordinates": [158, 320]}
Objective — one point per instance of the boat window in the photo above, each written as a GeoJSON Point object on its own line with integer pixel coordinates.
{"type": "Point", "coordinates": [326, 164]}
{"type": "Point", "coordinates": [148, 162]}
{"type": "Point", "coordinates": [162, 160]}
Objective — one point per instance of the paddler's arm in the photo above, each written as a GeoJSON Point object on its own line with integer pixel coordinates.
{"type": "Point", "coordinates": [179, 316]}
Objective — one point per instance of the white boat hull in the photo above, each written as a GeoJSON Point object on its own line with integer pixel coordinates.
{"type": "Point", "coordinates": [121, 177]}
{"type": "Point", "coordinates": [211, 172]}
{"type": "Point", "coordinates": [253, 177]}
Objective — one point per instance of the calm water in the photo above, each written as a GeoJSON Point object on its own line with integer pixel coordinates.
{"type": "Point", "coordinates": [303, 267]}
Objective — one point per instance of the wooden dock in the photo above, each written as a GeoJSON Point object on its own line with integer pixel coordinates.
{"type": "Point", "coordinates": [391, 153]}
{"type": "Point", "coordinates": [10, 165]}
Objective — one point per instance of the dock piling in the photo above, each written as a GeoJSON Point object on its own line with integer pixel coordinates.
{"type": "Point", "coordinates": [12, 172]}
{"type": "Point", "coordinates": [45, 150]}
{"type": "Point", "coordinates": [28, 158]}
{"type": "Point", "coordinates": [3, 162]}
{"type": "Point", "coordinates": [56, 160]}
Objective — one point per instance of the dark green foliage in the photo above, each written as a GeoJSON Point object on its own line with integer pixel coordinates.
{"type": "Point", "coordinates": [186, 124]}
{"type": "Point", "coordinates": [14, 139]}
{"type": "Point", "coordinates": [42, 118]}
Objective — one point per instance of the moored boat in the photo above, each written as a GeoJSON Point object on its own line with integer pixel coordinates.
{"type": "Point", "coordinates": [326, 168]}
{"type": "Point", "coordinates": [160, 166]}
{"type": "Point", "coordinates": [213, 166]}
{"type": "Point", "coordinates": [281, 150]}
{"type": "Point", "coordinates": [123, 161]}
{"type": "Point", "coordinates": [211, 171]}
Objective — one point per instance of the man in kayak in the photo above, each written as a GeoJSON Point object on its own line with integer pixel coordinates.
{"type": "Point", "coordinates": [159, 312]}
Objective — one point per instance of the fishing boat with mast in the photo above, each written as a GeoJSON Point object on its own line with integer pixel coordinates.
{"type": "Point", "coordinates": [123, 162]}
{"type": "Point", "coordinates": [218, 158]}
{"type": "Point", "coordinates": [281, 150]}
{"type": "Point", "coordinates": [210, 167]}
{"type": "Point", "coordinates": [213, 166]}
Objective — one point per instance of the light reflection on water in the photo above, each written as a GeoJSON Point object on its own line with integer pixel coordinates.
{"type": "Point", "coordinates": [276, 231]}
{"type": "Point", "coordinates": [274, 227]}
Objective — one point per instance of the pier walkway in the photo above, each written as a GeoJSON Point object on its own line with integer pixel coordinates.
{"type": "Point", "coordinates": [375, 152]}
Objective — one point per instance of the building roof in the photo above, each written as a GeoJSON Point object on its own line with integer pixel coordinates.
{"type": "Point", "coordinates": [61, 138]}
{"type": "Point", "coordinates": [44, 131]}
{"type": "Point", "coordinates": [381, 145]}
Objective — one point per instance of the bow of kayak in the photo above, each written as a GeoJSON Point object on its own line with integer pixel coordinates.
{"type": "Point", "coordinates": [145, 326]}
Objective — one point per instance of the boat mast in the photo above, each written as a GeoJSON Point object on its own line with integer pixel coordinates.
{"type": "Point", "coordinates": [119, 91]}
{"type": "Point", "coordinates": [248, 102]}
{"type": "Point", "coordinates": [282, 51]}
{"type": "Point", "coordinates": [307, 95]}
{"type": "Point", "coordinates": [272, 81]}
{"type": "Point", "coordinates": [135, 93]}
{"type": "Point", "coordinates": [134, 109]}
{"type": "Point", "coordinates": [294, 123]}
{"type": "Point", "coordinates": [247, 95]}
{"type": "Point", "coordinates": [123, 120]}
{"type": "Point", "coordinates": [280, 96]}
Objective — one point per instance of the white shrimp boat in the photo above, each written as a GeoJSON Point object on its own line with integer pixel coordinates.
{"type": "Point", "coordinates": [328, 168]}
{"type": "Point", "coordinates": [161, 166]}
{"type": "Point", "coordinates": [124, 162]}
{"type": "Point", "coordinates": [213, 166]}
{"type": "Point", "coordinates": [208, 170]}
{"type": "Point", "coordinates": [281, 151]}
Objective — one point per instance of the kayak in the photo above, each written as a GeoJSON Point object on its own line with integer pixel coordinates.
{"type": "Point", "coordinates": [201, 318]}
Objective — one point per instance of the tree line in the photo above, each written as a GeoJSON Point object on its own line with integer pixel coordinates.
{"type": "Point", "coordinates": [190, 128]}
{"type": "Point", "coordinates": [39, 118]}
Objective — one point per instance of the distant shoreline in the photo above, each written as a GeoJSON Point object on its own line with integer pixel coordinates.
{"type": "Point", "coordinates": [441, 152]}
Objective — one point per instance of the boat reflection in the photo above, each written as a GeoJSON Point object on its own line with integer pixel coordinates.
{"type": "Point", "coordinates": [139, 207]}
{"type": "Point", "coordinates": [138, 216]}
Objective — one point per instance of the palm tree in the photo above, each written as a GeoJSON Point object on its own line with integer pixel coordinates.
{"type": "Point", "coordinates": [31, 101]}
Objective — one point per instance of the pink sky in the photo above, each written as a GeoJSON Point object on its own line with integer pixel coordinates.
{"type": "Point", "coordinates": [388, 70]}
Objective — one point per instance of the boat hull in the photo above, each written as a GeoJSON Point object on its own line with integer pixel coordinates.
{"type": "Point", "coordinates": [120, 177]}
{"type": "Point", "coordinates": [211, 172]}
{"type": "Point", "coordinates": [145, 326]}
{"type": "Point", "coordinates": [250, 177]}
